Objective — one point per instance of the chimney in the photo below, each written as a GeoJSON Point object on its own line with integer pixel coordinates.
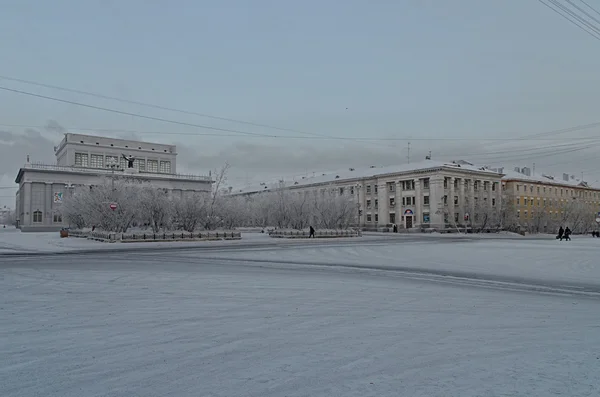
{"type": "Point", "coordinates": [565, 177]}
{"type": "Point", "coordinates": [27, 159]}
{"type": "Point", "coordinates": [526, 171]}
{"type": "Point", "coordinates": [517, 169]}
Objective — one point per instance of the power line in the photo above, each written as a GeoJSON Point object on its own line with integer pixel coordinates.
{"type": "Point", "coordinates": [525, 138]}
{"type": "Point", "coordinates": [590, 7]}
{"type": "Point", "coordinates": [562, 14]}
{"type": "Point", "coordinates": [153, 106]}
{"type": "Point", "coordinates": [132, 114]}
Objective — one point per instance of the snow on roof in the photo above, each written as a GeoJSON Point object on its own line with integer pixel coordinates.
{"type": "Point", "coordinates": [362, 173]}
{"type": "Point", "coordinates": [547, 179]}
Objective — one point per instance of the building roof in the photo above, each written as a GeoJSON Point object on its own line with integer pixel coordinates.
{"type": "Point", "coordinates": [548, 180]}
{"type": "Point", "coordinates": [47, 168]}
{"type": "Point", "coordinates": [349, 174]}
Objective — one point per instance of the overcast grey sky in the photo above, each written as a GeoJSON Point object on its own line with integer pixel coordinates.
{"type": "Point", "coordinates": [452, 77]}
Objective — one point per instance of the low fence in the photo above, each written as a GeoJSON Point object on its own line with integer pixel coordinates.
{"type": "Point", "coordinates": [318, 233]}
{"type": "Point", "coordinates": [150, 237]}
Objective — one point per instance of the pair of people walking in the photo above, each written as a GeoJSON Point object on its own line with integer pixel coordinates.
{"type": "Point", "coordinates": [564, 234]}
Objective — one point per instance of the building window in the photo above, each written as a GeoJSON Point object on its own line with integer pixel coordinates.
{"type": "Point", "coordinates": [425, 217]}
{"type": "Point", "coordinates": [37, 216]}
{"type": "Point", "coordinates": [476, 185]}
{"type": "Point", "coordinates": [409, 200]}
{"type": "Point", "coordinates": [391, 186]}
{"type": "Point", "coordinates": [518, 214]}
{"type": "Point", "coordinates": [531, 202]}
{"type": "Point", "coordinates": [368, 189]}
{"type": "Point", "coordinates": [351, 189]}
{"type": "Point", "coordinates": [446, 218]}
{"type": "Point", "coordinates": [376, 217]}
{"type": "Point", "coordinates": [456, 217]}
{"type": "Point", "coordinates": [392, 218]}
{"type": "Point", "coordinates": [485, 185]}
{"type": "Point", "coordinates": [425, 200]}
{"type": "Point", "coordinates": [376, 203]}
{"type": "Point", "coordinates": [494, 186]}
{"type": "Point", "coordinates": [165, 167]}
{"type": "Point", "coordinates": [408, 185]}
{"type": "Point", "coordinates": [112, 160]}
{"type": "Point", "coordinates": [57, 218]}
{"type": "Point", "coordinates": [368, 204]}
{"type": "Point", "coordinates": [445, 199]}
{"type": "Point", "coordinates": [445, 183]}
{"type": "Point", "coordinates": [375, 188]}
{"type": "Point", "coordinates": [152, 165]}
{"type": "Point", "coordinates": [493, 202]}
{"type": "Point", "coordinates": [81, 160]}
{"type": "Point", "coordinates": [392, 202]}
{"type": "Point", "coordinates": [123, 163]}
{"type": "Point", "coordinates": [140, 164]}
{"type": "Point", "coordinates": [455, 200]}
{"type": "Point", "coordinates": [341, 191]}
{"type": "Point", "coordinates": [96, 161]}
{"type": "Point", "coordinates": [426, 183]}
{"type": "Point", "coordinates": [518, 187]}
{"type": "Point", "coordinates": [518, 201]}
{"type": "Point", "coordinates": [368, 217]}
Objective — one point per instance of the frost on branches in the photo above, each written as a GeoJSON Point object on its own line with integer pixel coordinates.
{"type": "Point", "coordinates": [324, 209]}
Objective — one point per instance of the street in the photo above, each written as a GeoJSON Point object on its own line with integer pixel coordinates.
{"type": "Point", "coordinates": [262, 322]}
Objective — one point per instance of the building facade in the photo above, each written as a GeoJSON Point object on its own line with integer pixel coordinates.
{"type": "Point", "coordinates": [423, 195]}
{"type": "Point", "coordinates": [84, 160]}
{"type": "Point", "coordinates": [543, 203]}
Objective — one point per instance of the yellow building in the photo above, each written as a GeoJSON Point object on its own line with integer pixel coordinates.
{"type": "Point", "coordinates": [543, 203]}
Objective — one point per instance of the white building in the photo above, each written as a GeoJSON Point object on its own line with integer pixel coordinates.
{"type": "Point", "coordinates": [428, 194]}
{"type": "Point", "coordinates": [88, 160]}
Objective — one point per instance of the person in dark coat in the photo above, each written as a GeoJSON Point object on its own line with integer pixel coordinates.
{"type": "Point", "coordinates": [311, 232]}
{"type": "Point", "coordinates": [568, 234]}
{"type": "Point", "coordinates": [561, 231]}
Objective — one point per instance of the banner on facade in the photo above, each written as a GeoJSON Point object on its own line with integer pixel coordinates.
{"type": "Point", "coordinates": [58, 197]}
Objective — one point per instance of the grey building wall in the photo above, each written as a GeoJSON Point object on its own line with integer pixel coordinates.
{"type": "Point", "coordinates": [37, 188]}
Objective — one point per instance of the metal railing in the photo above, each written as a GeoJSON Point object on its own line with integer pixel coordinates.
{"type": "Point", "coordinates": [318, 233]}
{"type": "Point", "coordinates": [54, 167]}
{"type": "Point", "coordinates": [151, 236]}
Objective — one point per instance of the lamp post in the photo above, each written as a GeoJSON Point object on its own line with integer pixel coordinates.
{"type": "Point", "coordinates": [113, 165]}
{"type": "Point", "coordinates": [357, 188]}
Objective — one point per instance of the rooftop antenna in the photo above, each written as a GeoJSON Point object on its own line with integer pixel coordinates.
{"type": "Point", "coordinates": [408, 152]}
{"type": "Point", "coordinates": [428, 157]}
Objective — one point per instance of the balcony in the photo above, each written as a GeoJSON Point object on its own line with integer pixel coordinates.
{"type": "Point", "coordinates": [108, 171]}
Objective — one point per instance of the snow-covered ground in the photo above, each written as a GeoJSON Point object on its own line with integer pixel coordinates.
{"type": "Point", "coordinates": [574, 263]}
{"type": "Point", "coordinates": [265, 322]}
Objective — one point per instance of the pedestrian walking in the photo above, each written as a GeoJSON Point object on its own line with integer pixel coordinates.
{"type": "Point", "coordinates": [311, 232]}
{"type": "Point", "coordinates": [567, 234]}
{"type": "Point", "coordinates": [561, 232]}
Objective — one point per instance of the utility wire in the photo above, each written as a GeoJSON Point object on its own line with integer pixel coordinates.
{"type": "Point", "coordinates": [153, 106]}
{"type": "Point", "coordinates": [590, 7]}
{"type": "Point", "coordinates": [401, 139]}
{"type": "Point", "coordinates": [562, 14]}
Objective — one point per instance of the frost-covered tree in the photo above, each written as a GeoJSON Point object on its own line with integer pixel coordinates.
{"type": "Point", "coordinates": [190, 212]}
{"type": "Point", "coordinates": [155, 207]}
{"type": "Point", "coordinates": [90, 205]}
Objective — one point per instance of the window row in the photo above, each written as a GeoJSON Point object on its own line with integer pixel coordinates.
{"type": "Point", "coordinates": [97, 161]}
{"type": "Point", "coordinates": [559, 191]}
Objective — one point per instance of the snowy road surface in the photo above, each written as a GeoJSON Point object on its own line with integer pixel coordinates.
{"type": "Point", "coordinates": [191, 324]}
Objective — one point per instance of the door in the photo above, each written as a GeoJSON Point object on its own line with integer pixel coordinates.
{"type": "Point", "coordinates": [409, 221]}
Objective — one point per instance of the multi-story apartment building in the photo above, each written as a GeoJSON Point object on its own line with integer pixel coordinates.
{"type": "Point", "coordinates": [89, 160]}
{"type": "Point", "coordinates": [427, 194]}
{"type": "Point", "coordinates": [544, 203]}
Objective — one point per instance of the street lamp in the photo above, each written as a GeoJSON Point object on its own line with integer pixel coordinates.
{"type": "Point", "coordinates": [113, 165]}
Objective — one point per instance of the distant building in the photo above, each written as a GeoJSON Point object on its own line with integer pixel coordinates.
{"type": "Point", "coordinates": [543, 203]}
{"type": "Point", "coordinates": [427, 194]}
{"type": "Point", "coordinates": [88, 160]}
